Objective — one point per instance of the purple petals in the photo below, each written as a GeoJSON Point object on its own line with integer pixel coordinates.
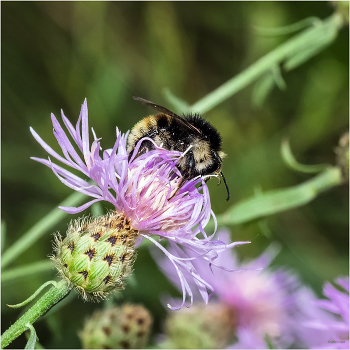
{"type": "Point", "coordinates": [188, 261]}
{"type": "Point", "coordinates": [66, 146]}
{"type": "Point", "coordinates": [331, 322]}
{"type": "Point", "coordinates": [47, 148]}
{"type": "Point", "coordinates": [140, 189]}
{"type": "Point", "coordinates": [73, 210]}
{"type": "Point", "coordinates": [85, 132]}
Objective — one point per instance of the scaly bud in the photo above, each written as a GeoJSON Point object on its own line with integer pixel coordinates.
{"type": "Point", "coordinates": [125, 327]}
{"type": "Point", "coordinates": [200, 327]}
{"type": "Point", "coordinates": [96, 255]}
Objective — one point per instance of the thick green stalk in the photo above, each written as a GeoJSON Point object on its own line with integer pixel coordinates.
{"type": "Point", "coordinates": [44, 304]}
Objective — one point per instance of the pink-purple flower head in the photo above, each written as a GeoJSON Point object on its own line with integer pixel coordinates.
{"type": "Point", "coordinates": [139, 189]}
{"type": "Point", "coordinates": [265, 304]}
{"type": "Point", "coordinates": [334, 323]}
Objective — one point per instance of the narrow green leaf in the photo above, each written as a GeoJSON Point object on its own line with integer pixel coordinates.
{"type": "Point", "coordinates": [318, 42]}
{"type": "Point", "coordinates": [53, 296]}
{"type": "Point", "coordinates": [33, 296]}
{"type": "Point", "coordinates": [179, 105]}
{"type": "Point", "coordinates": [292, 28]}
{"type": "Point", "coordinates": [277, 75]}
{"type": "Point", "coordinates": [325, 32]}
{"type": "Point", "coordinates": [304, 55]}
{"type": "Point", "coordinates": [262, 89]}
{"type": "Point", "coordinates": [290, 160]}
{"type": "Point", "coordinates": [32, 338]}
{"type": "Point", "coordinates": [275, 201]}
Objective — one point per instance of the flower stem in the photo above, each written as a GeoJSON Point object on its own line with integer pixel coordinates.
{"type": "Point", "coordinates": [44, 304]}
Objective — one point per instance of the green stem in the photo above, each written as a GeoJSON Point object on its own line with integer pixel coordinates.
{"type": "Point", "coordinates": [299, 42]}
{"type": "Point", "coordinates": [39, 229]}
{"type": "Point", "coordinates": [44, 304]}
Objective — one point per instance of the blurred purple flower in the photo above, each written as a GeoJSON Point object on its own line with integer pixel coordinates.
{"type": "Point", "coordinates": [265, 304]}
{"type": "Point", "coordinates": [140, 189]}
{"type": "Point", "coordinates": [335, 325]}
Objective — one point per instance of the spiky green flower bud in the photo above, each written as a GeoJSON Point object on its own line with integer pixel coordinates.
{"type": "Point", "coordinates": [200, 327]}
{"type": "Point", "coordinates": [342, 152]}
{"type": "Point", "coordinates": [125, 327]}
{"type": "Point", "coordinates": [96, 255]}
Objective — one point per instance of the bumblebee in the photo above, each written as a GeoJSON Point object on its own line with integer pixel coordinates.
{"type": "Point", "coordinates": [199, 141]}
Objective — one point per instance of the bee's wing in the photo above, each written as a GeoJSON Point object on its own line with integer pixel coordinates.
{"type": "Point", "coordinates": [166, 111]}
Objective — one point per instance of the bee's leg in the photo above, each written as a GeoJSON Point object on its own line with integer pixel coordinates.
{"type": "Point", "coordinates": [145, 146]}
{"type": "Point", "coordinates": [180, 184]}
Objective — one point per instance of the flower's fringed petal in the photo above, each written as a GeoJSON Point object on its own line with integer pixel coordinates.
{"type": "Point", "coordinates": [183, 283]}
{"type": "Point", "coordinates": [343, 282]}
{"type": "Point", "coordinates": [333, 325]}
{"type": "Point", "coordinates": [67, 148]}
{"type": "Point", "coordinates": [185, 270]}
{"type": "Point", "coordinates": [71, 180]}
{"type": "Point", "coordinates": [201, 284]}
{"type": "Point", "coordinates": [338, 302]}
{"type": "Point", "coordinates": [85, 133]}
{"type": "Point", "coordinates": [195, 253]}
{"type": "Point", "coordinates": [209, 251]}
{"type": "Point", "coordinates": [68, 175]}
{"type": "Point", "coordinates": [75, 210]}
{"type": "Point", "coordinates": [84, 190]}
{"type": "Point", "coordinates": [47, 148]}
{"type": "Point", "coordinates": [95, 167]}
{"type": "Point", "coordinates": [72, 131]}
{"type": "Point", "coordinates": [77, 129]}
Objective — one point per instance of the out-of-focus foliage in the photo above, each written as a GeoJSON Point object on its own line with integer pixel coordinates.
{"type": "Point", "coordinates": [54, 54]}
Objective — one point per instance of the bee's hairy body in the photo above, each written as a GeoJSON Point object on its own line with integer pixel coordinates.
{"type": "Point", "coordinates": [201, 159]}
{"type": "Point", "coordinates": [198, 140]}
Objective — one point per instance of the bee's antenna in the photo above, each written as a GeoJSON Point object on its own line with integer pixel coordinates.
{"type": "Point", "coordinates": [228, 191]}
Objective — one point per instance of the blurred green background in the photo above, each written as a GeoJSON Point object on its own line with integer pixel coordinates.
{"type": "Point", "coordinates": [54, 54]}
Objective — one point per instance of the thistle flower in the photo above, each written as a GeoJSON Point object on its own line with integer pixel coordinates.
{"type": "Point", "coordinates": [125, 327]}
{"type": "Point", "coordinates": [266, 306]}
{"type": "Point", "coordinates": [334, 325]}
{"type": "Point", "coordinates": [139, 189]}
